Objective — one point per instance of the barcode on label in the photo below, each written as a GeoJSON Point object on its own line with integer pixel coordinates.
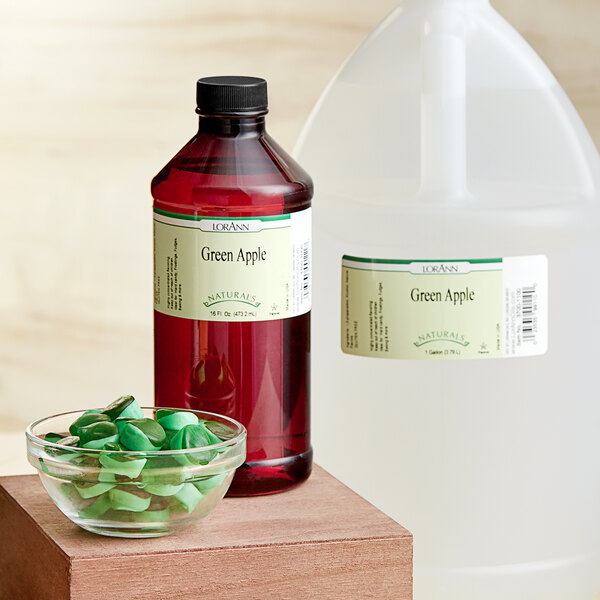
{"type": "Point", "coordinates": [305, 270]}
{"type": "Point", "coordinates": [525, 281]}
{"type": "Point", "coordinates": [528, 314]}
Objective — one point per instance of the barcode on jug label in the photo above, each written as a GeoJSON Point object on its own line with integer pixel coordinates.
{"type": "Point", "coordinates": [526, 305]}
{"type": "Point", "coordinates": [528, 313]}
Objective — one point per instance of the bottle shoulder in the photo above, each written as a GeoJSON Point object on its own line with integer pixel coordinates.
{"type": "Point", "coordinates": [232, 173]}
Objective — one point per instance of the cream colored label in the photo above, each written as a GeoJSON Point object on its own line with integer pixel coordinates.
{"type": "Point", "coordinates": [232, 269]}
{"type": "Point", "coordinates": [484, 308]}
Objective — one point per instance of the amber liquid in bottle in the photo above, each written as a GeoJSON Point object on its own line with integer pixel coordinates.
{"type": "Point", "coordinates": [256, 372]}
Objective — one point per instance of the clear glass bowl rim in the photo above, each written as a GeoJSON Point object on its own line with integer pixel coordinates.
{"type": "Point", "coordinates": [234, 441]}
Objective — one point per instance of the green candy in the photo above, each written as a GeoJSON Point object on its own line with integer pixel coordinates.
{"type": "Point", "coordinates": [211, 436]}
{"type": "Point", "coordinates": [223, 432]}
{"type": "Point", "coordinates": [53, 437]}
{"type": "Point", "coordinates": [192, 436]}
{"type": "Point", "coordinates": [133, 411]}
{"type": "Point", "coordinates": [169, 435]}
{"type": "Point", "coordinates": [86, 419]}
{"type": "Point", "coordinates": [189, 497]}
{"type": "Point", "coordinates": [97, 508]}
{"type": "Point", "coordinates": [163, 489]}
{"type": "Point", "coordinates": [133, 500]}
{"type": "Point", "coordinates": [107, 476]}
{"type": "Point", "coordinates": [175, 419]}
{"type": "Point", "coordinates": [125, 406]}
{"type": "Point", "coordinates": [68, 490]}
{"type": "Point", "coordinates": [122, 465]}
{"type": "Point", "coordinates": [70, 440]}
{"type": "Point", "coordinates": [96, 435]}
{"type": "Point", "coordinates": [209, 483]}
{"type": "Point", "coordinates": [162, 469]}
{"type": "Point", "coordinates": [91, 490]}
{"type": "Point", "coordinates": [154, 516]}
{"type": "Point", "coordinates": [113, 447]}
{"type": "Point", "coordinates": [157, 511]}
{"type": "Point", "coordinates": [143, 434]}
{"type": "Point", "coordinates": [121, 422]}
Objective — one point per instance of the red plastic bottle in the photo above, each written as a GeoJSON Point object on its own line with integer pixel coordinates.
{"type": "Point", "coordinates": [232, 283]}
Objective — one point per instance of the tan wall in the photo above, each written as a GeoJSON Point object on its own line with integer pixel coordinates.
{"type": "Point", "coordinates": [96, 96]}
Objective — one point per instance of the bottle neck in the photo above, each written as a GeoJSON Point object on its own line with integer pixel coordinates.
{"type": "Point", "coordinates": [232, 126]}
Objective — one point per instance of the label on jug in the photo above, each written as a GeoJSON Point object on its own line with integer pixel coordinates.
{"type": "Point", "coordinates": [232, 269]}
{"type": "Point", "coordinates": [444, 309]}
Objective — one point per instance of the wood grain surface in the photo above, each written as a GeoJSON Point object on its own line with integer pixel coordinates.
{"type": "Point", "coordinates": [320, 540]}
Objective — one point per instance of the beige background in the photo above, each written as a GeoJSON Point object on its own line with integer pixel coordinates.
{"type": "Point", "coordinates": [96, 97]}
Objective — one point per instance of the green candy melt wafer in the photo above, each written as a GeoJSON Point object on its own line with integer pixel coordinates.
{"type": "Point", "coordinates": [223, 432]}
{"type": "Point", "coordinates": [163, 469]}
{"type": "Point", "coordinates": [71, 441]}
{"type": "Point", "coordinates": [210, 483]}
{"type": "Point", "coordinates": [68, 490]}
{"type": "Point", "coordinates": [97, 508]}
{"type": "Point", "coordinates": [157, 511]}
{"type": "Point", "coordinates": [96, 435]}
{"type": "Point", "coordinates": [169, 435]}
{"type": "Point", "coordinates": [106, 476]}
{"type": "Point", "coordinates": [134, 500]}
{"type": "Point", "coordinates": [192, 436]}
{"type": "Point", "coordinates": [175, 419]}
{"type": "Point", "coordinates": [212, 438]}
{"type": "Point", "coordinates": [86, 419]}
{"type": "Point", "coordinates": [122, 465]}
{"type": "Point", "coordinates": [121, 422]}
{"type": "Point", "coordinates": [153, 516]}
{"type": "Point", "coordinates": [142, 434]}
{"type": "Point", "coordinates": [133, 411]}
{"type": "Point", "coordinates": [189, 497]}
{"type": "Point", "coordinates": [163, 489]}
{"type": "Point", "coordinates": [114, 447]}
{"type": "Point", "coordinates": [91, 490]}
{"type": "Point", "coordinates": [125, 406]}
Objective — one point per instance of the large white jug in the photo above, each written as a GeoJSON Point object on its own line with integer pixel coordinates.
{"type": "Point", "coordinates": [455, 390]}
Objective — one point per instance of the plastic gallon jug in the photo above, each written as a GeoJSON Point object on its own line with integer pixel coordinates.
{"type": "Point", "coordinates": [456, 319]}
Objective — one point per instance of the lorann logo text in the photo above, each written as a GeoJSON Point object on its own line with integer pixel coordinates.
{"type": "Point", "coordinates": [229, 226]}
{"type": "Point", "coordinates": [440, 268]}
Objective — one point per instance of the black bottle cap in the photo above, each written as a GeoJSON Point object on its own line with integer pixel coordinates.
{"type": "Point", "coordinates": [231, 95]}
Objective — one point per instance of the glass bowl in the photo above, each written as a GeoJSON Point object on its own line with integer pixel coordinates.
{"type": "Point", "coordinates": [134, 494]}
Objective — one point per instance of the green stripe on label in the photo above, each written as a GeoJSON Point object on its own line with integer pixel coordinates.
{"type": "Point", "coordinates": [165, 213]}
{"type": "Point", "coordinates": [391, 261]}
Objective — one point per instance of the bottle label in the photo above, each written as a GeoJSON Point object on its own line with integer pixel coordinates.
{"type": "Point", "coordinates": [232, 269]}
{"type": "Point", "coordinates": [445, 309]}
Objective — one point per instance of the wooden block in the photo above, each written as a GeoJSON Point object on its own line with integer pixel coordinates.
{"type": "Point", "coordinates": [320, 540]}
